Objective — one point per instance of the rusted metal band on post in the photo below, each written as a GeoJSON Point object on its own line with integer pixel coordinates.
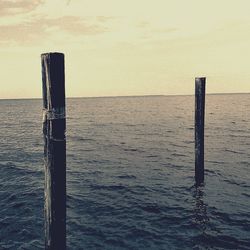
{"type": "Point", "coordinates": [54, 114]}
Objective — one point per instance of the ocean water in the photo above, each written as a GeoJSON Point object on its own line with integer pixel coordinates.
{"type": "Point", "coordinates": [130, 174]}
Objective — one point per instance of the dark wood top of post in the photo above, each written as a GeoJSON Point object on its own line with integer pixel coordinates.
{"type": "Point", "coordinates": [55, 78]}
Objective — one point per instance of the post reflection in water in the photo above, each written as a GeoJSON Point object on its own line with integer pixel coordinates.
{"type": "Point", "coordinates": [201, 218]}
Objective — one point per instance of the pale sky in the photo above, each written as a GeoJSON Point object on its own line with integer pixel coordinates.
{"type": "Point", "coordinates": [126, 47]}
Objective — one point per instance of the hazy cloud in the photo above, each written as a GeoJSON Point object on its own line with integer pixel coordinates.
{"type": "Point", "coordinates": [44, 28]}
{"type": "Point", "coordinates": [149, 31]}
{"type": "Point", "coordinates": [77, 25]}
{"type": "Point", "coordinates": [149, 28]}
{"type": "Point", "coordinates": [143, 24]}
{"type": "Point", "coordinates": [11, 7]}
{"type": "Point", "coordinates": [105, 18]}
{"type": "Point", "coordinates": [164, 30]}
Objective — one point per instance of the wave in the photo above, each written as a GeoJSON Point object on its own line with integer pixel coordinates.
{"type": "Point", "coordinates": [130, 175]}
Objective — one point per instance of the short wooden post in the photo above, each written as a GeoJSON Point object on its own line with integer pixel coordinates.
{"type": "Point", "coordinates": [54, 125]}
{"type": "Point", "coordinates": [200, 92]}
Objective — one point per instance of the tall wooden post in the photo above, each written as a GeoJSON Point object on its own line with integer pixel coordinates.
{"type": "Point", "coordinates": [54, 125]}
{"type": "Point", "coordinates": [200, 92]}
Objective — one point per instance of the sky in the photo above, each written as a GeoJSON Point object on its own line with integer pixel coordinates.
{"type": "Point", "coordinates": [126, 47]}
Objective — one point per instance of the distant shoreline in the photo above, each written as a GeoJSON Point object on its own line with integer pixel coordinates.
{"type": "Point", "coordinates": [128, 96]}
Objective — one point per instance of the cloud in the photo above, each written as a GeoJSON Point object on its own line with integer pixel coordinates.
{"type": "Point", "coordinates": [38, 29]}
{"type": "Point", "coordinates": [146, 26]}
{"type": "Point", "coordinates": [105, 18]}
{"type": "Point", "coordinates": [165, 30]}
{"type": "Point", "coordinates": [150, 31]}
{"type": "Point", "coordinates": [76, 25]}
{"type": "Point", "coordinates": [12, 7]}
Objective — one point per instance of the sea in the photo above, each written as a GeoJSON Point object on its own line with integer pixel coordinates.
{"type": "Point", "coordinates": [130, 174]}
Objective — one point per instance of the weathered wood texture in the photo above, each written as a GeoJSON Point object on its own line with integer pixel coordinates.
{"type": "Point", "coordinates": [200, 92]}
{"type": "Point", "coordinates": [54, 125]}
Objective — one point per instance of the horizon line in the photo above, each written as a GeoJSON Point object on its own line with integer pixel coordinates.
{"type": "Point", "coordinates": [117, 96]}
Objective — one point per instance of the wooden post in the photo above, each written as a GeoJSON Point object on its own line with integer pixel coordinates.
{"type": "Point", "coordinates": [54, 125]}
{"type": "Point", "coordinates": [200, 91]}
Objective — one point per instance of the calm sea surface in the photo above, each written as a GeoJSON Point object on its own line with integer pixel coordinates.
{"type": "Point", "coordinates": [130, 174]}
